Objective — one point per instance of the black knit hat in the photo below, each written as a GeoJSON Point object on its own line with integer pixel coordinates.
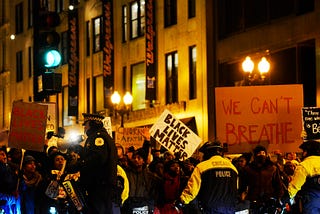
{"type": "Point", "coordinates": [169, 163]}
{"type": "Point", "coordinates": [28, 159]}
{"type": "Point", "coordinates": [258, 149]}
{"type": "Point", "coordinates": [142, 153]}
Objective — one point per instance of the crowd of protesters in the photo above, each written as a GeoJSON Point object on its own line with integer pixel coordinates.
{"type": "Point", "coordinates": [80, 179]}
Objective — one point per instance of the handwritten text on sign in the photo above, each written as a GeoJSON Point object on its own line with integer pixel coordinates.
{"type": "Point", "coordinates": [28, 126]}
{"type": "Point", "coordinates": [175, 136]}
{"type": "Point", "coordinates": [311, 122]}
{"type": "Point", "coordinates": [128, 137]}
{"type": "Point", "coordinates": [254, 114]}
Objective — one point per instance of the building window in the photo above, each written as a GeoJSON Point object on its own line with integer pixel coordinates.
{"type": "Point", "coordinates": [88, 95]}
{"type": "Point", "coordinates": [98, 95]}
{"type": "Point", "coordinates": [30, 13]}
{"type": "Point", "coordinates": [3, 12]}
{"type": "Point", "coordinates": [191, 8]}
{"type": "Point", "coordinates": [19, 18]}
{"type": "Point", "coordinates": [30, 60]}
{"type": "Point", "coordinates": [137, 19]}
{"type": "Point", "coordinates": [97, 34]}
{"type": "Point", "coordinates": [88, 38]}
{"type": "Point", "coordinates": [138, 74]}
{"type": "Point", "coordinates": [2, 103]}
{"type": "Point", "coordinates": [124, 23]}
{"type": "Point", "coordinates": [192, 72]}
{"type": "Point", "coordinates": [2, 56]}
{"type": "Point", "coordinates": [65, 107]}
{"type": "Point", "coordinates": [172, 78]}
{"type": "Point", "coordinates": [19, 67]}
{"type": "Point", "coordinates": [170, 12]}
{"type": "Point", "coordinates": [64, 47]}
{"type": "Point", "coordinates": [237, 16]}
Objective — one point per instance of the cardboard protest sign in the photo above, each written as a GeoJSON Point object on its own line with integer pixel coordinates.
{"type": "Point", "coordinates": [28, 126]}
{"type": "Point", "coordinates": [269, 115]}
{"type": "Point", "coordinates": [174, 135]}
{"type": "Point", "coordinates": [128, 137]}
{"type": "Point", "coordinates": [311, 122]}
{"type": "Point", "coordinates": [51, 117]}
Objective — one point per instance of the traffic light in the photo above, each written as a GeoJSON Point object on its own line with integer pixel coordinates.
{"type": "Point", "coordinates": [46, 54]}
{"type": "Point", "coordinates": [49, 39]}
{"type": "Point", "coordinates": [50, 56]}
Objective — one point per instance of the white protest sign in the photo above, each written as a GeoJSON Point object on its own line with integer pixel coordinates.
{"type": "Point", "coordinates": [107, 125]}
{"type": "Point", "coordinates": [174, 135]}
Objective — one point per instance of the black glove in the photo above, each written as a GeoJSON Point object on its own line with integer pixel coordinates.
{"type": "Point", "coordinates": [178, 205]}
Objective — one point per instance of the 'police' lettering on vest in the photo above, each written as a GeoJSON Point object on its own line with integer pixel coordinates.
{"type": "Point", "coordinates": [223, 174]}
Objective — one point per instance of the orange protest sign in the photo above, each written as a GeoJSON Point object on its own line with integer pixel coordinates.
{"type": "Point", "coordinates": [268, 115]}
{"type": "Point", "coordinates": [28, 126]}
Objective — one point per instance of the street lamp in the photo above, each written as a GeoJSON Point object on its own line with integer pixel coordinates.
{"type": "Point", "coordinates": [121, 108]}
{"type": "Point", "coordinates": [253, 77]}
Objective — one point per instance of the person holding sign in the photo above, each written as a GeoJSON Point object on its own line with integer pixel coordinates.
{"type": "Point", "coordinates": [306, 178]}
{"type": "Point", "coordinates": [214, 182]}
{"type": "Point", "coordinates": [98, 165]}
{"type": "Point", "coordinates": [143, 186]}
{"type": "Point", "coordinates": [9, 198]}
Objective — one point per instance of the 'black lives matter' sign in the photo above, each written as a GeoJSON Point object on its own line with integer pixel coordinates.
{"type": "Point", "coordinates": [311, 122]}
{"type": "Point", "coordinates": [174, 135]}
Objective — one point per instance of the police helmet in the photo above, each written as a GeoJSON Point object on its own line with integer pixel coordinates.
{"type": "Point", "coordinates": [211, 148]}
{"type": "Point", "coordinates": [312, 147]}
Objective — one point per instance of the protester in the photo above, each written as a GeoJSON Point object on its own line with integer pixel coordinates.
{"type": "Point", "coordinates": [157, 167]}
{"type": "Point", "coordinates": [55, 189]}
{"type": "Point", "coordinates": [69, 198]}
{"type": "Point", "coordinates": [306, 178]}
{"type": "Point", "coordinates": [292, 157]}
{"type": "Point", "coordinates": [288, 171]}
{"type": "Point", "coordinates": [167, 156]}
{"type": "Point", "coordinates": [32, 188]}
{"type": "Point", "coordinates": [261, 182]}
{"type": "Point", "coordinates": [213, 182]}
{"type": "Point", "coordinates": [9, 196]}
{"type": "Point", "coordinates": [98, 165]}
{"type": "Point", "coordinates": [171, 188]}
{"type": "Point", "coordinates": [143, 185]}
{"type": "Point", "coordinates": [14, 159]}
{"type": "Point", "coordinates": [73, 159]}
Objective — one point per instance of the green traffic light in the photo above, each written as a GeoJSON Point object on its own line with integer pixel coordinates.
{"type": "Point", "coordinates": [52, 58]}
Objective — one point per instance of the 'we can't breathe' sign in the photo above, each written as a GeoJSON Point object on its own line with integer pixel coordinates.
{"type": "Point", "coordinates": [174, 135]}
{"type": "Point", "coordinates": [269, 115]}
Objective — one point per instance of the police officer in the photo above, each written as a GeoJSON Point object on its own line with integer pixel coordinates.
{"type": "Point", "coordinates": [99, 165]}
{"type": "Point", "coordinates": [306, 178]}
{"type": "Point", "coordinates": [214, 182]}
